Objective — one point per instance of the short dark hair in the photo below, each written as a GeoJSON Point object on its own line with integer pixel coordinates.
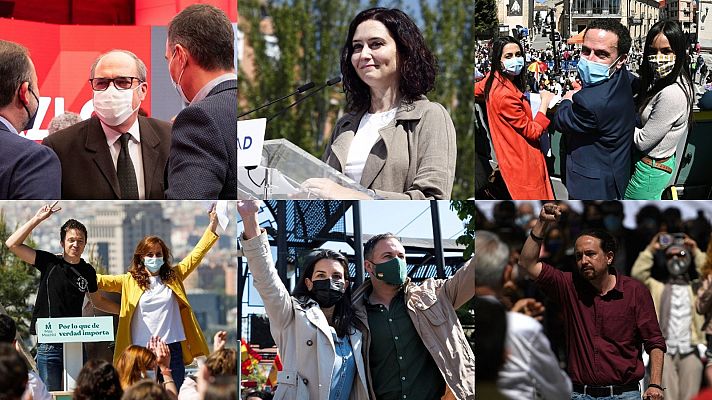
{"type": "Point", "coordinates": [72, 224]}
{"type": "Point", "coordinates": [14, 69]}
{"type": "Point", "coordinates": [8, 329]}
{"type": "Point", "coordinates": [98, 379]}
{"type": "Point", "coordinates": [373, 241]}
{"type": "Point", "coordinates": [13, 373]}
{"type": "Point", "coordinates": [417, 64]}
{"type": "Point", "coordinates": [611, 25]}
{"type": "Point", "coordinates": [607, 241]}
{"type": "Point", "coordinates": [206, 32]}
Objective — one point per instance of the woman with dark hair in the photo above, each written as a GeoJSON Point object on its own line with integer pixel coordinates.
{"type": "Point", "coordinates": [664, 102]}
{"type": "Point", "coordinates": [515, 133]}
{"type": "Point", "coordinates": [154, 302]}
{"type": "Point", "coordinates": [98, 380]}
{"type": "Point", "coordinates": [394, 141]}
{"type": "Point", "coordinates": [314, 326]}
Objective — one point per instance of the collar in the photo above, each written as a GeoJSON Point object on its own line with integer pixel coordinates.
{"type": "Point", "coordinates": [507, 83]}
{"type": "Point", "coordinates": [205, 90]}
{"type": "Point", "coordinates": [8, 125]}
{"type": "Point", "coordinates": [112, 135]}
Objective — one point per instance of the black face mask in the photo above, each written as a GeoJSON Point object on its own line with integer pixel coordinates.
{"type": "Point", "coordinates": [31, 121]}
{"type": "Point", "coordinates": [327, 292]}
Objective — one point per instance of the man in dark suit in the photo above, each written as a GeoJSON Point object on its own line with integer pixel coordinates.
{"type": "Point", "coordinates": [203, 158]}
{"type": "Point", "coordinates": [598, 121]}
{"type": "Point", "coordinates": [115, 154]}
{"type": "Point", "coordinates": [27, 170]}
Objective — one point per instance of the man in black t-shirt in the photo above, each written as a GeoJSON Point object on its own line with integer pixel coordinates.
{"type": "Point", "coordinates": [64, 279]}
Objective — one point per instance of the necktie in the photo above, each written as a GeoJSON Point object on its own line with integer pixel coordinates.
{"type": "Point", "coordinates": [125, 171]}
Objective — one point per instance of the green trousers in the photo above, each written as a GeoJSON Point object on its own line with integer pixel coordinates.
{"type": "Point", "coordinates": [648, 183]}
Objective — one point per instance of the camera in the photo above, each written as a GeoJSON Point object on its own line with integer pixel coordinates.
{"type": "Point", "coordinates": [668, 239]}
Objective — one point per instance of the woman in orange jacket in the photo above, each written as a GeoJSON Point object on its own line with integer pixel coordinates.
{"type": "Point", "coordinates": [515, 134]}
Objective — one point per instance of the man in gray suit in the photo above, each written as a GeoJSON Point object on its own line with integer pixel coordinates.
{"type": "Point", "coordinates": [116, 154]}
{"type": "Point", "coordinates": [203, 158]}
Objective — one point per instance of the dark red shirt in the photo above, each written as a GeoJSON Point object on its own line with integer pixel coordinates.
{"type": "Point", "coordinates": [604, 334]}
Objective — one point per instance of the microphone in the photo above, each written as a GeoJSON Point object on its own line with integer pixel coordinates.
{"type": "Point", "coordinates": [330, 82]}
{"type": "Point", "coordinates": [300, 90]}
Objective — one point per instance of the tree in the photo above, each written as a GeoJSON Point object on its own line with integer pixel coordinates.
{"type": "Point", "coordinates": [465, 210]}
{"type": "Point", "coordinates": [19, 281]}
{"type": "Point", "coordinates": [449, 32]}
{"type": "Point", "coordinates": [486, 17]}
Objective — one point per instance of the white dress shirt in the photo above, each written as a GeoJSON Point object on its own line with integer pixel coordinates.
{"type": "Point", "coordinates": [112, 139]}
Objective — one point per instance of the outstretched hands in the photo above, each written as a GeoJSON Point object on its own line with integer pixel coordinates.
{"type": "Point", "coordinates": [248, 210]}
{"type": "Point", "coordinates": [46, 211]}
{"type": "Point", "coordinates": [162, 352]}
{"type": "Point", "coordinates": [213, 219]}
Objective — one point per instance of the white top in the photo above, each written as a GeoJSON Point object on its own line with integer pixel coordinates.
{"type": "Point", "coordinates": [366, 136]}
{"type": "Point", "coordinates": [36, 389]}
{"type": "Point", "coordinates": [531, 367]}
{"type": "Point", "coordinates": [112, 139]}
{"type": "Point", "coordinates": [664, 121]}
{"type": "Point", "coordinates": [157, 314]}
{"type": "Point", "coordinates": [189, 390]}
{"type": "Point", "coordinates": [677, 337]}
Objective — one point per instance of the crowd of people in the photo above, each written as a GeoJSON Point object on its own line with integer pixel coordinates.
{"type": "Point", "coordinates": [119, 153]}
{"type": "Point", "coordinates": [622, 132]}
{"type": "Point", "coordinates": [591, 308]}
{"type": "Point", "coordinates": [158, 333]}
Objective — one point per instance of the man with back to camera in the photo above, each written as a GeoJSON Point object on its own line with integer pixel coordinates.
{"type": "Point", "coordinates": [608, 317]}
{"type": "Point", "coordinates": [598, 121]}
{"type": "Point", "coordinates": [203, 157]}
{"type": "Point", "coordinates": [27, 169]}
{"type": "Point", "coordinates": [413, 344]}
{"type": "Point", "coordinates": [116, 154]}
{"type": "Point", "coordinates": [64, 280]}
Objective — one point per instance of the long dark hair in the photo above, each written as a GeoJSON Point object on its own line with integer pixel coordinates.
{"type": "Point", "coordinates": [520, 81]}
{"type": "Point", "coordinates": [678, 44]}
{"type": "Point", "coordinates": [343, 310]}
{"type": "Point", "coordinates": [416, 63]}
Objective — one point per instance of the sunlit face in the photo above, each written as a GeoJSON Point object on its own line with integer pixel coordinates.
{"type": "Point", "coordinates": [326, 269]}
{"type": "Point", "coordinates": [591, 260]}
{"type": "Point", "coordinates": [661, 46]}
{"type": "Point", "coordinates": [601, 46]}
{"type": "Point", "coordinates": [383, 251]}
{"type": "Point", "coordinates": [510, 50]}
{"type": "Point", "coordinates": [74, 243]}
{"type": "Point", "coordinates": [375, 55]}
{"type": "Point", "coordinates": [154, 250]}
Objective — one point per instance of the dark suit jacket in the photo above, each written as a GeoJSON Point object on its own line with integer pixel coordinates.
{"type": "Point", "coordinates": [203, 161]}
{"type": "Point", "coordinates": [88, 171]}
{"type": "Point", "coordinates": [599, 126]}
{"type": "Point", "coordinates": [28, 170]}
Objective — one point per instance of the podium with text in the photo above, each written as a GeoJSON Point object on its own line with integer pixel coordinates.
{"type": "Point", "coordinates": [282, 170]}
{"type": "Point", "coordinates": [72, 332]}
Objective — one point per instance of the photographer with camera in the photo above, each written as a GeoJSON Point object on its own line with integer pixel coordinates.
{"type": "Point", "coordinates": [674, 297]}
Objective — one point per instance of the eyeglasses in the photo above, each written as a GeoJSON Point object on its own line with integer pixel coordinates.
{"type": "Point", "coordinates": [120, 83]}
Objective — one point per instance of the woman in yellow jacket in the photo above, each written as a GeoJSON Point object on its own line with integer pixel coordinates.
{"type": "Point", "coordinates": [154, 302]}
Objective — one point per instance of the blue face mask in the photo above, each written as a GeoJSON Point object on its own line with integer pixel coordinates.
{"type": "Point", "coordinates": [513, 66]}
{"type": "Point", "coordinates": [592, 72]}
{"type": "Point", "coordinates": [153, 264]}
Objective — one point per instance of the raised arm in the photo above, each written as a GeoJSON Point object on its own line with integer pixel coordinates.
{"type": "Point", "coordinates": [529, 257]}
{"type": "Point", "coordinates": [102, 303]}
{"type": "Point", "coordinates": [192, 260]}
{"type": "Point", "coordinates": [16, 241]}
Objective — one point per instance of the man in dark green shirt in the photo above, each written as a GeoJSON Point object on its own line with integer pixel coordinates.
{"type": "Point", "coordinates": [413, 345]}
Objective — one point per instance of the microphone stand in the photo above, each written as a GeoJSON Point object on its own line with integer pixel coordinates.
{"type": "Point", "coordinates": [300, 90]}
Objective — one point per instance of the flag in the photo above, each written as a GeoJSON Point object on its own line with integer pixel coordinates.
{"type": "Point", "coordinates": [272, 377]}
{"type": "Point", "coordinates": [248, 357]}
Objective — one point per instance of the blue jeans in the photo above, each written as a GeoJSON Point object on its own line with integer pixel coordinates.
{"type": "Point", "coordinates": [177, 367]}
{"type": "Point", "coordinates": [632, 395]}
{"type": "Point", "coordinates": [50, 364]}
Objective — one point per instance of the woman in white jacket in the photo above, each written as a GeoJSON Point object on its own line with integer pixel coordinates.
{"type": "Point", "coordinates": [319, 346]}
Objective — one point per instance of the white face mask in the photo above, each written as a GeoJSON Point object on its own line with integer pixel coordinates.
{"type": "Point", "coordinates": [186, 102]}
{"type": "Point", "coordinates": [114, 106]}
